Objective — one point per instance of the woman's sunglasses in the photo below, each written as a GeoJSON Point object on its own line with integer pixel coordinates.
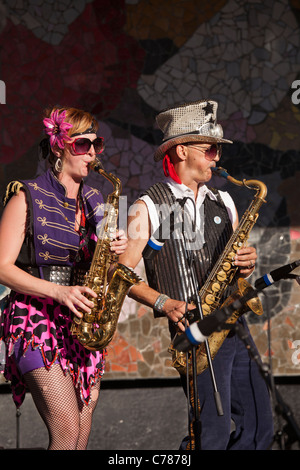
{"type": "Point", "coordinates": [211, 152]}
{"type": "Point", "coordinates": [82, 145]}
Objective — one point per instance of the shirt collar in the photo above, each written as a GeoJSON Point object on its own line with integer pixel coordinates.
{"type": "Point", "coordinates": [181, 190]}
{"type": "Point", "coordinates": [60, 187]}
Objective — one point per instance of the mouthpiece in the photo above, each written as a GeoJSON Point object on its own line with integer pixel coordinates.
{"type": "Point", "coordinates": [219, 171]}
{"type": "Point", "coordinates": [96, 165]}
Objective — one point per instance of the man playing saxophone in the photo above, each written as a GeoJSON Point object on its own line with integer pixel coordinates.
{"type": "Point", "coordinates": [191, 147]}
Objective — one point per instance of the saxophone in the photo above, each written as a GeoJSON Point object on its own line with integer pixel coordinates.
{"type": "Point", "coordinates": [96, 329]}
{"type": "Point", "coordinates": [221, 277]}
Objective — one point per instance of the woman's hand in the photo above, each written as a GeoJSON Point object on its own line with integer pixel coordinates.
{"type": "Point", "coordinates": [119, 243]}
{"type": "Point", "coordinates": [74, 297]}
{"type": "Point", "coordinates": [77, 298]}
{"type": "Point", "coordinates": [245, 259]}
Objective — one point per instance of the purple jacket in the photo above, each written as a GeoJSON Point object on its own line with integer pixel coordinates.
{"type": "Point", "coordinates": [52, 220]}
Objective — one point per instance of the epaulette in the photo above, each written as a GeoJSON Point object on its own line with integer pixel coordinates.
{"type": "Point", "coordinates": [12, 188]}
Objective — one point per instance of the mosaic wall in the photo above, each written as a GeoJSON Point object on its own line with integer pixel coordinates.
{"type": "Point", "coordinates": [125, 61]}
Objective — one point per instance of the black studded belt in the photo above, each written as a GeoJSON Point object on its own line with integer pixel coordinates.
{"type": "Point", "coordinates": [62, 275]}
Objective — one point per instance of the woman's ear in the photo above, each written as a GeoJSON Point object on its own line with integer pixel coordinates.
{"type": "Point", "coordinates": [57, 152]}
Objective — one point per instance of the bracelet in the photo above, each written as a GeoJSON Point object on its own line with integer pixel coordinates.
{"type": "Point", "coordinates": [160, 302]}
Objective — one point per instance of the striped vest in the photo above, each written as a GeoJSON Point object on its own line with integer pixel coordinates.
{"type": "Point", "coordinates": [169, 271]}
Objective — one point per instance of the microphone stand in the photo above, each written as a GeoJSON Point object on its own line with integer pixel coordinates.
{"type": "Point", "coordinates": [281, 408]}
{"type": "Point", "coordinates": [148, 254]}
{"type": "Point", "coordinates": [291, 429]}
{"type": "Point", "coordinates": [196, 411]}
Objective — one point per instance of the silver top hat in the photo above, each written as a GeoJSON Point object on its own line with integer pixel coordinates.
{"type": "Point", "coordinates": [190, 122]}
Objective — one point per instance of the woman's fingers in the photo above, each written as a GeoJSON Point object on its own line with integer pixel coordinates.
{"type": "Point", "coordinates": [76, 298]}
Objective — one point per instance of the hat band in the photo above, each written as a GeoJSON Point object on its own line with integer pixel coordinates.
{"type": "Point", "coordinates": [206, 130]}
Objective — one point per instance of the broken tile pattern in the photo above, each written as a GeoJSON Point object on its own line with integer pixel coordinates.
{"type": "Point", "coordinates": [48, 20]}
{"type": "Point", "coordinates": [246, 56]}
{"type": "Point", "coordinates": [125, 61]}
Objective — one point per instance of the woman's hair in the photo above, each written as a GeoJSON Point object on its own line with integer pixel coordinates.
{"type": "Point", "coordinates": [81, 121]}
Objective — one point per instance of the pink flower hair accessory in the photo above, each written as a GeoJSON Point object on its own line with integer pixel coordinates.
{"type": "Point", "coordinates": [57, 128]}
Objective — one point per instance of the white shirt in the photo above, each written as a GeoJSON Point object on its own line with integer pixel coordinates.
{"type": "Point", "coordinates": [180, 191]}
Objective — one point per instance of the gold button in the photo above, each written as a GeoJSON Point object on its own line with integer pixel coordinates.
{"type": "Point", "coordinates": [66, 204]}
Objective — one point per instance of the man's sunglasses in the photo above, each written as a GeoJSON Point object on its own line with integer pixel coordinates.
{"type": "Point", "coordinates": [211, 152]}
{"type": "Point", "coordinates": [82, 145]}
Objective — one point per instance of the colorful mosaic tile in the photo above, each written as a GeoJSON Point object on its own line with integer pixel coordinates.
{"type": "Point", "coordinates": [125, 61]}
{"type": "Point", "coordinates": [76, 72]}
{"type": "Point", "coordinates": [242, 56]}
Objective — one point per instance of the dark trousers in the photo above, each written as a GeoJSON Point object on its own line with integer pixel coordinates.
{"type": "Point", "coordinates": [245, 401]}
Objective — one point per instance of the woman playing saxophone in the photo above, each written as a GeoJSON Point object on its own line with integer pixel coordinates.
{"type": "Point", "coordinates": [47, 240]}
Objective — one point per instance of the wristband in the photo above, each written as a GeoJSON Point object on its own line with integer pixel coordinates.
{"type": "Point", "coordinates": [160, 302]}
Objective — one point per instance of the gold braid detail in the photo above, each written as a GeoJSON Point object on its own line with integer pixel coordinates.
{"type": "Point", "coordinates": [12, 188]}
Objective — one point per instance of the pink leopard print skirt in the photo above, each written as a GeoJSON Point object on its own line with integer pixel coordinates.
{"type": "Point", "coordinates": [45, 324]}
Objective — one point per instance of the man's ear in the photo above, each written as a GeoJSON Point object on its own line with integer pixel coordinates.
{"type": "Point", "coordinates": [181, 151]}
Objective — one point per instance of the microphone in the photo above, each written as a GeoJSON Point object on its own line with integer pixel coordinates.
{"type": "Point", "coordinates": [199, 331]}
{"type": "Point", "coordinates": [276, 275]}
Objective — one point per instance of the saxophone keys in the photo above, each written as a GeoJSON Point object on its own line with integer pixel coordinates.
{"type": "Point", "coordinates": [237, 245]}
{"type": "Point", "coordinates": [221, 276]}
{"type": "Point", "coordinates": [206, 309]}
{"type": "Point", "coordinates": [209, 299]}
{"type": "Point", "coordinates": [215, 287]}
{"type": "Point", "coordinates": [226, 266]}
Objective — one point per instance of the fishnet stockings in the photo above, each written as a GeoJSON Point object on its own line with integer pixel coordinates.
{"type": "Point", "coordinates": [68, 420]}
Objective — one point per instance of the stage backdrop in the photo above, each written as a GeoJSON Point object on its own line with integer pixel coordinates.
{"type": "Point", "coordinates": [127, 60]}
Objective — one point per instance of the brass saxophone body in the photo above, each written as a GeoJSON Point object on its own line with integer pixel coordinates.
{"type": "Point", "coordinates": [96, 329]}
{"type": "Point", "coordinates": [221, 276]}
